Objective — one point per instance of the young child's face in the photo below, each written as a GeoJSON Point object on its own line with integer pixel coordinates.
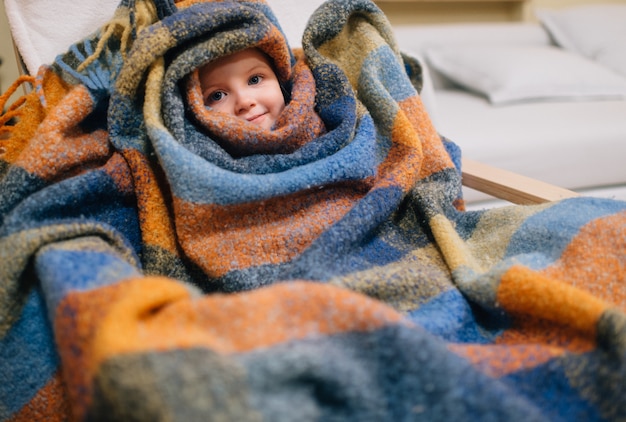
{"type": "Point", "coordinates": [244, 85]}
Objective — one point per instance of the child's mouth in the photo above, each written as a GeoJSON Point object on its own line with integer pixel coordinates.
{"type": "Point", "coordinates": [256, 119]}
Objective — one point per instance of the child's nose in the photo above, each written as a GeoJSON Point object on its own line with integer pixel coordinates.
{"type": "Point", "coordinates": [245, 102]}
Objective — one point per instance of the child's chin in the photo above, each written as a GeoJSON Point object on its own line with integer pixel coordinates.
{"type": "Point", "coordinates": [264, 122]}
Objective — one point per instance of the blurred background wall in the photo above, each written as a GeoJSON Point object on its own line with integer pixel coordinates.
{"type": "Point", "coordinates": [399, 12]}
{"type": "Point", "coordinates": [449, 11]}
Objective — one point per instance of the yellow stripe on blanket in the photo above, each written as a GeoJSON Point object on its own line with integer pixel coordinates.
{"type": "Point", "coordinates": [523, 291]}
{"type": "Point", "coordinates": [453, 248]}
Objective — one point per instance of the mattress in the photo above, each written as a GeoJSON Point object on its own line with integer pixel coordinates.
{"type": "Point", "coordinates": [579, 145]}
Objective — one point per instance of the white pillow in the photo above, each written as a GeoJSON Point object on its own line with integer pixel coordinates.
{"type": "Point", "coordinates": [595, 31]}
{"type": "Point", "coordinates": [43, 29]}
{"type": "Point", "coordinates": [507, 74]}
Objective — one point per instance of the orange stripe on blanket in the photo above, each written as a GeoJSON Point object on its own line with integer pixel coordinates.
{"type": "Point", "coordinates": [531, 330]}
{"type": "Point", "coordinates": [154, 313]}
{"type": "Point", "coordinates": [275, 46]}
{"type": "Point", "coordinates": [75, 325]}
{"type": "Point", "coordinates": [59, 147]}
{"type": "Point", "coordinates": [588, 266]}
{"type": "Point", "coordinates": [524, 292]}
{"type": "Point", "coordinates": [436, 157]}
{"type": "Point", "coordinates": [417, 150]}
{"type": "Point", "coordinates": [81, 316]}
{"type": "Point", "coordinates": [31, 113]}
{"type": "Point", "coordinates": [49, 404]}
{"type": "Point", "coordinates": [402, 165]}
{"type": "Point", "coordinates": [159, 314]}
{"type": "Point", "coordinates": [119, 172]}
{"type": "Point", "coordinates": [224, 238]}
{"type": "Point", "coordinates": [593, 262]}
{"type": "Point", "coordinates": [154, 216]}
{"type": "Point", "coordinates": [498, 361]}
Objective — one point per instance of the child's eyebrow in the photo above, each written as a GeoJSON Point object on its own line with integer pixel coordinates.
{"type": "Point", "coordinates": [261, 66]}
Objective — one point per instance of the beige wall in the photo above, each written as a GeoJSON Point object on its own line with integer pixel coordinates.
{"type": "Point", "coordinates": [8, 68]}
{"type": "Point", "coordinates": [403, 12]}
{"type": "Point", "coordinates": [410, 12]}
{"type": "Point", "coordinates": [399, 12]}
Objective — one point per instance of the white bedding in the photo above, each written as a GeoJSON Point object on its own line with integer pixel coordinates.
{"type": "Point", "coordinates": [587, 152]}
{"type": "Point", "coordinates": [574, 140]}
{"type": "Point", "coordinates": [39, 39]}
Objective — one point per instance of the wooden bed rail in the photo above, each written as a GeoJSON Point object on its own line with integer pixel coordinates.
{"type": "Point", "coordinates": [510, 186]}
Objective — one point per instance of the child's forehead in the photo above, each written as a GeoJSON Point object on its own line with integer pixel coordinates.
{"type": "Point", "coordinates": [248, 58]}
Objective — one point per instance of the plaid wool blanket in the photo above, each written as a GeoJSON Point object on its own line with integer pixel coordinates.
{"type": "Point", "coordinates": [164, 261]}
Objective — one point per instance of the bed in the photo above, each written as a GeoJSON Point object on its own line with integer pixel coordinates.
{"type": "Point", "coordinates": [164, 261]}
{"type": "Point", "coordinates": [544, 99]}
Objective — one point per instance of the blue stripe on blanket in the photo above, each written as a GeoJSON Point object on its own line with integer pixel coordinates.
{"type": "Point", "coordinates": [537, 247]}
{"type": "Point", "coordinates": [195, 180]}
{"type": "Point", "coordinates": [377, 76]}
{"type": "Point", "coordinates": [553, 391]}
{"type": "Point", "coordinates": [90, 196]}
{"type": "Point", "coordinates": [450, 316]}
{"type": "Point", "coordinates": [79, 265]}
{"type": "Point", "coordinates": [20, 184]}
{"type": "Point", "coordinates": [405, 386]}
{"type": "Point", "coordinates": [31, 339]}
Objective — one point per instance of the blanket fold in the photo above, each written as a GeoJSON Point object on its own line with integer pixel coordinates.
{"type": "Point", "coordinates": [165, 261]}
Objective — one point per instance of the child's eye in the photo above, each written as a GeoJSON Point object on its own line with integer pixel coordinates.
{"type": "Point", "coordinates": [215, 96]}
{"type": "Point", "coordinates": [256, 79]}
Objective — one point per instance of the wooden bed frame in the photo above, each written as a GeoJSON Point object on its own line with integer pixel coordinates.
{"type": "Point", "coordinates": [512, 187]}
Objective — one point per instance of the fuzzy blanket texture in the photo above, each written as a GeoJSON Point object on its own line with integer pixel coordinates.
{"type": "Point", "coordinates": [164, 261]}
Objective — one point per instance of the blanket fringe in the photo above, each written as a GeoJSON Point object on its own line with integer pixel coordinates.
{"type": "Point", "coordinates": [125, 24]}
{"type": "Point", "coordinates": [15, 109]}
